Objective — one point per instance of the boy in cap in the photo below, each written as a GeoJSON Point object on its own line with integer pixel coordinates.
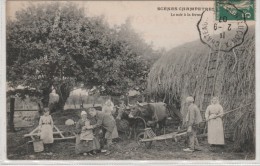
{"type": "Point", "coordinates": [193, 119]}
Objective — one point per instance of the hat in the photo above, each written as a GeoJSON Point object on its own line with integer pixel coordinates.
{"type": "Point", "coordinates": [189, 99]}
{"type": "Point", "coordinates": [83, 113]}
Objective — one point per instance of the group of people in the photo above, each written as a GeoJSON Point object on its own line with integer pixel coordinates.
{"type": "Point", "coordinates": [87, 142]}
{"type": "Point", "coordinates": [213, 116]}
{"type": "Point", "coordinates": [89, 136]}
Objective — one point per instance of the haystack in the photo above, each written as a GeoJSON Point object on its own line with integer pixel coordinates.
{"type": "Point", "coordinates": [182, 72]}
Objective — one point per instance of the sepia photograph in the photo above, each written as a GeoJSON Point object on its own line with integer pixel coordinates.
{"type": "Point", "coordinates": [130, 80]}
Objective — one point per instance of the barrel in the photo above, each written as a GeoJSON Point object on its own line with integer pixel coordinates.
{"type": "Point", "coordinates": [38, 146]}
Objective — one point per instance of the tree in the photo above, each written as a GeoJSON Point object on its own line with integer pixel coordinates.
{"type": "Point", "coordinates": [38, 48]}
{"type": "Point", "coordinates": [42, 45]}
{"type": "Point", "coordinates": [55, 46]}
{"type": "Point", "coordinates": [124, 62]}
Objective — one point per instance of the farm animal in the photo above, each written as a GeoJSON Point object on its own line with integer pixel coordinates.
{"type": "Point", "coordinates": [125, 123]}
{"type": "Point", "coordinates": [152, 113]}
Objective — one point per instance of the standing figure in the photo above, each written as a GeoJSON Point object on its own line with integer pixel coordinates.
{"type": "Point", "coordinates": [121, 109]}
{"type": "Point", "coordinates": [213, 115]}
{"type": "Point", "coordinates": [86, 142]}
{"type": "Point", "coordinates": [107, 122]}
{"type": "Point", "coordinates": [108, 108]}
{"type": "Point", "coordinates": [193, 119]}
{"type": "Point", "coordinates": [46, 129]}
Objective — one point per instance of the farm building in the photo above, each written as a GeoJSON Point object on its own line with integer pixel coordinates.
{"type": "Point", "coordinates": [195, 70]}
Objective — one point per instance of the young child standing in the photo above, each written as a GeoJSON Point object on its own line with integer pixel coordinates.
{"type": "Point", "coordinates": [87, 132]}
{"type": "Point", "coordinates": [46, 129]}
{"type": "Point", "coordinates": [86, 143]}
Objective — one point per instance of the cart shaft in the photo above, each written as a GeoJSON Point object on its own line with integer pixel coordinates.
{"type": "Point", "coordinates": [164, 137]}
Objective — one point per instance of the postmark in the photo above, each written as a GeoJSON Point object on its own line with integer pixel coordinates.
{"type": "Point", "coordinates": [246, 6]}
{"type": "Point", "coordinates": [223, 34]}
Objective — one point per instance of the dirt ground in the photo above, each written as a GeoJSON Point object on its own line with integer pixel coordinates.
{"type": "Point", "coordinates": [123, 149]}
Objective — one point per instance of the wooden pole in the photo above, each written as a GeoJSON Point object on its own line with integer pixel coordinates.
{"type": "Point", "coordinates": [11, 115]}
{"type": "Point", "coordinates": [230, 111]}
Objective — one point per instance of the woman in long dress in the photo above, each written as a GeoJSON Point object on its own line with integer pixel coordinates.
{"type": "Point", "coordinates": [46, 129]}
{"type": "Point", "coordinates": [213, 115]}
{"type": "Point", "coordinates": [86, 142]}
{"type": "Point", "coordinates": [108, 108]}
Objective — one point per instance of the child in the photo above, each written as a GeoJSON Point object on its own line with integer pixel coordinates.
{"type": "Point", "coordinates": [46, 129]}
{"type": "Point", "coordinates": [86, 143]}
{"type": "Point", "coordinates": [87, 133]}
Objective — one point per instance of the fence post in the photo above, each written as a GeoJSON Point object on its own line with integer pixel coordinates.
{"type": "Point", "coordinates": [11, 116]}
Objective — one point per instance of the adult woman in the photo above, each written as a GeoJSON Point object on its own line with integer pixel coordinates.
{"type": "Point", "coordinates": [213, 115]}
{"type": "Point", "coordinates": [108, 108]}
{"type": "Point", "coordinates": [86, 143]}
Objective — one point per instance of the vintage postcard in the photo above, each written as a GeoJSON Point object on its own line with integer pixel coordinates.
{"type": "Point", "coordinates": [131, 81]}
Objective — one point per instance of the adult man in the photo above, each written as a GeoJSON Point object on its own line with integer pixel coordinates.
{"type": "Point", "coordinates": [107, 122]}
{"type": "Point", "coordinates": [193, 119]}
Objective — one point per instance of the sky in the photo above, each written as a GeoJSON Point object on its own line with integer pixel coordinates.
{"type": "Point", "coordinates": [157, 27]}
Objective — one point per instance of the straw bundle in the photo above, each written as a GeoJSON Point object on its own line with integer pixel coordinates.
{"type": "Point", "coordinates": [182, 72]}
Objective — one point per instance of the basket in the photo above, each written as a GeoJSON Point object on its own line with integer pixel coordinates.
{"type": "Point", "coordinates": [38, 146]}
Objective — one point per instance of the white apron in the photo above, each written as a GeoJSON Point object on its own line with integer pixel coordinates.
{"type": "Point", "coordinates": [215, 126]}
{"type": "Point", "coordinates": [46, 134]}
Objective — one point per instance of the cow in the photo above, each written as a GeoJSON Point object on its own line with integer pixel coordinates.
{"type": "Point", "coordinates": [153, 113]}
{"type": "Point", "coordinates": [123, 116]}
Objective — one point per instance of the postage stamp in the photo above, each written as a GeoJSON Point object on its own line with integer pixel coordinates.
{"type": "Point", "coordinates": [246, 8]}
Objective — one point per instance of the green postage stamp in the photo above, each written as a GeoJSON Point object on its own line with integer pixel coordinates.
{"type": "Point", "coordinates": [227, 9]}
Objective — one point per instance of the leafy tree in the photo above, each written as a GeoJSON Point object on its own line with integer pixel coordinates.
{"type": "Point", "coordinates": [56, 46]}
{"type": "Point", "coordinates": [44, 44]}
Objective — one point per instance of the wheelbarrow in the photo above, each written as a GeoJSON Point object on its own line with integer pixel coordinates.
{"type": "Point", "coordinates": [148, 136]}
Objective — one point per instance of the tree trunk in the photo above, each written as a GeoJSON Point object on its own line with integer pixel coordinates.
{"type": "Point", "coordinates": [60, 104]}
{"type": "Point", "coordinates": [40, 109]}
{"type": "Point", "coordinates": [46, 96]}
{"type": "Point", "coordinates": [11, 116]}
{"type": "Point", "coordinates": [64, 92]}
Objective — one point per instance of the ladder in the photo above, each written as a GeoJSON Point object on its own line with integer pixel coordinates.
{"type": "Point", "coordinates": [212, 68]}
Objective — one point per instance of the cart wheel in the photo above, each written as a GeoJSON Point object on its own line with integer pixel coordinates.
{"type": "Point", "coordinates": [142, 136]}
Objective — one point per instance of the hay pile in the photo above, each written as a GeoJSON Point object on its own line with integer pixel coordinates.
{"type": "Point", "coordinates": [182, 72]}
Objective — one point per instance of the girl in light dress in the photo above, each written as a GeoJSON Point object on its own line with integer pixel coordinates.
{"type": "Point", "coordinates": [46, 129]}
{"type": "Point", "coordinates": [87, 132]}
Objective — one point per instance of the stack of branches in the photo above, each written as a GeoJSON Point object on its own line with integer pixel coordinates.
{"type": "Point", "coordinates": [182, 72]}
